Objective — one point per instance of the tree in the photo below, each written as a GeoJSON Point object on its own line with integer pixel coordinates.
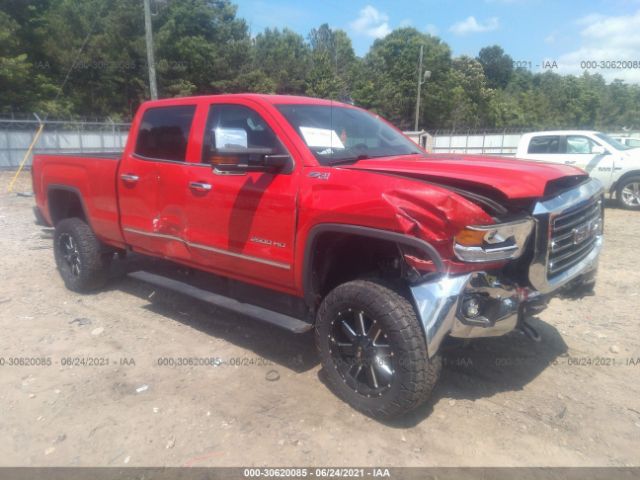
{"type": "Point", "coordinates": [24, 74]}
{"type": "Point", "coordinates": [201, 47]}
{"type": "Point", "coordinates": [391, 71]}
{"type": "Point", "coordinates": [470, 96]}
{"type": "Point", "coordinates": [283, 56]}
{"type": "Point", "coordinates": [88, 58]}
{"type": "Point", "coordinates": [497, 65]}
{"type": "Point", "coordinates": [332, 63]}
{"type": "Point", "coordinates": [95, 53]}
{"type": "Point", "coordinates": [15, 69]}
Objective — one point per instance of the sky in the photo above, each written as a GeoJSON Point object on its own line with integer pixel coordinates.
{"type": "Point", "coordinates": [541, 35]}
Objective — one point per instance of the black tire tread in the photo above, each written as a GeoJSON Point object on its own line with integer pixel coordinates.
{"type": "Point", "coordinates": [424, 372]}
{"type": "Point", "coordinates": [95, 261]}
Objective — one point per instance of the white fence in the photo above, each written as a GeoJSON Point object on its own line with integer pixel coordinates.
{"type": "Point", "coordinates": [108, 137]}
{"type": "Point", "coordinates": [501, 143]}
{"type": "Point", "coordinates": [477, 143]}
{"type": "Point", "coordinates": [58, 137]}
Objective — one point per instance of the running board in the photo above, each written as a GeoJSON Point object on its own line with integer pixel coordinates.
{"type": "Point", "coordinates": [259, 313]}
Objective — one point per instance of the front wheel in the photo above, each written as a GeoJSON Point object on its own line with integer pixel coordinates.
{"type": "Point", "coordinates": [80, 257]}
{"type": "Point", "coordinates": [628, 193]}
{"type": "Point", "coordinates": [373, 349]}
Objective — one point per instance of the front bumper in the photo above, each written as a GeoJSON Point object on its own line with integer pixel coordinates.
{"type": "Point", "coordinates": [439, 307]}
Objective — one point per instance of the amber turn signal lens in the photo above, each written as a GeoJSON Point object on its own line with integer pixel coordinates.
{"type": "Point", "coordinates": [224, 160]}
{"type": "Point", "coordinates": [471, 237]}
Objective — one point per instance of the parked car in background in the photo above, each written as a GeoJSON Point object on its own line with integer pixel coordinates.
{"type": "Point", "coordinates": [629, 141]}
{"type": "Point", "coordinates": [615, 164]}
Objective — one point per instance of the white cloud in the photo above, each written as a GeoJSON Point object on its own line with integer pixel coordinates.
{"type": "Point", "coordinates": [371, 22]}
{"type": "Point", "coordinates": [471, 25]}
{"type": "Point", "coordinates": [431, 29]}
{"type": "Point", "coordinates": [607, 39]}
{"type": "Point", "coordinates": [590, 19]}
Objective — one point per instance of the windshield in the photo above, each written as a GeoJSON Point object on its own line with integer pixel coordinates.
{"type": "Point", "coordinates": [342, 134]}
{"type": "Point", "coordinates": [613, 142]}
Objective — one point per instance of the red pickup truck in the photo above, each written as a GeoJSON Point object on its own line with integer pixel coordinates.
{"type": "Point", "coordinates": [335, 221]}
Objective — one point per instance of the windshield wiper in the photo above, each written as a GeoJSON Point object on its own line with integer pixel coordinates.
{"type": "Point", "coordinates": [342, 161]}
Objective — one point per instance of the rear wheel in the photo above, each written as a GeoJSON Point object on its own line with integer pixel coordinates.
{"type": "Point", "coordinates": [629, 193]}
{"type": "Point", "coordinates": [80, 257]}
{"type": "Point", "coordinates": [373, 349]}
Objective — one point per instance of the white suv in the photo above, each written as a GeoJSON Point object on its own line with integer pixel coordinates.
{"type": "Point", "coordinates": [616, 165]}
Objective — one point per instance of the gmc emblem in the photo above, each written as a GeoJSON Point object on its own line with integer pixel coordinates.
{"type": "Point", "coordinates": [581, 233]}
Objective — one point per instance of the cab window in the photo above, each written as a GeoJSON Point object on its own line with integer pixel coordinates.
{"type": "Point", "coordinates": [544, 144]}
{"type": "Point", "coordinates": [580, 144]}
{"type": "Point", "coordinates": [238, 129]}
{"type": "Point", "coordinates": [164, 133]}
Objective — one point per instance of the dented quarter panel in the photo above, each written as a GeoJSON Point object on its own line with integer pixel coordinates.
{"type": "Point", "coordinates": [385, 202]}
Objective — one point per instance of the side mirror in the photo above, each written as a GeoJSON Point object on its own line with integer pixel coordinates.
{"type": "Point", "coordinates": [234, 156]}
{"type": "Point", "coordinates": [241, 160]}
{"type": "Point", "coordinates": [277, 162]}
{"type": "Point", "coordinates": [599, 150]}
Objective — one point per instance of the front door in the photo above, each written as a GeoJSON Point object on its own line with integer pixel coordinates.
{"type": "Point", "coordinates": [242, 224]}
{"type": "Point", "coordinates": [585, 153]}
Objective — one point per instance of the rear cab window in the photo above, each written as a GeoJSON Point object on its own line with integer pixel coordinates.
{"type": "Point", "coordinates": [164, 133]}
{"type": "Point", "coordinates": [544, 144]}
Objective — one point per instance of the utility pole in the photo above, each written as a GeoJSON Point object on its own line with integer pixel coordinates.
{"type": "Point", "coordinates": [153, 88]}
{"type": "Point", "coordinates": [422, 78]}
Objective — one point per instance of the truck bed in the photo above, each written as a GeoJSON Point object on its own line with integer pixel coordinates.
{"type": "Point", "coordinates": [93, 177]}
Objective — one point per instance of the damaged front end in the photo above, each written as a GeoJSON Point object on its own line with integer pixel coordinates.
{"type": "Point", "coordinates": [555, 244]}
{"type": "Point", "coordinates": [471, 305]}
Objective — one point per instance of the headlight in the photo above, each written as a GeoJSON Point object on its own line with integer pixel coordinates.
{"type": "Point", "coordinates": [489, 243]}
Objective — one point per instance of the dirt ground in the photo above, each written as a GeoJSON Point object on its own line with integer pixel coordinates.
{"type": "Point", "coordinates": [572, 399]}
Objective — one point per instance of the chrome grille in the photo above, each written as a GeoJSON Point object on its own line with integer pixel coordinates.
{"type": "Point", "coordinates": [561, 253]}
{"type": "Point", "coordinates": [573, 234]}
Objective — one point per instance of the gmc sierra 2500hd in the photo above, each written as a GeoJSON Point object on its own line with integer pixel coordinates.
{"type": "Point", "coordinates": [348, 226]}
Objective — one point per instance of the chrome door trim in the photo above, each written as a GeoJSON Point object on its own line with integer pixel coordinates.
{"type": "Point", "coordinates": [229, 253]}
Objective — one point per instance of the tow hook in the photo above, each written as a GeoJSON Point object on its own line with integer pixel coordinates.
{"type": "Point", "coordinates": [530, 332]}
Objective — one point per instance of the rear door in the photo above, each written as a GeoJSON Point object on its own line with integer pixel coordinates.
{"type": "Point", "coordinates": [243, 225]}
{"type": "Point", "coordinates": [151, 200]}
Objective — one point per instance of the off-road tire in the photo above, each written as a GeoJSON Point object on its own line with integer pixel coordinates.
{"type": "Point", "coordinates": [414, 375]}
{"type": "Point", "coordinates": [92, 269]}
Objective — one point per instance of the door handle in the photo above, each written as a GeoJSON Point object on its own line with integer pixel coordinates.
{"type": "Point", "coordinates": [569, 162]}
{"type": "Point", "coordinates": [129, 177]}
{"type": "Point", "coordinates": [200, 186]}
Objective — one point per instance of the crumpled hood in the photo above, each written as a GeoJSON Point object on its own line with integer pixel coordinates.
{"type": "Point", "coordinates": [513, 178]}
